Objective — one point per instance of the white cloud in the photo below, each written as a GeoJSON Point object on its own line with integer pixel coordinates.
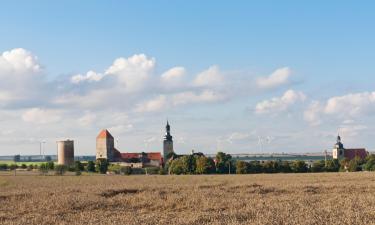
{"type": "Point", "coordinates": [173, 77]}
{"type": "Point", "coordinates": [192, 97]}
{"type": "Point", "coordinates": [278, 78]}
{"type": "Point", "coordinates": [87, 119]}
{"type": "Point", "coordinates": [41, 116]}
{"type": "Point", "coordinates": [312, 113]}
{"type": "Point", "coordinates": [18, 61]}
{"type": "Point", "coordinates": [133, 72]}
{"type": "Point", "coordinates": [211, 77]}
{"type": "Point", "coordinates": [279, 104]}
{"type": "Point", "coordinates": [343, 107]}
{"type": "Point", "coordinates": [90, 77]}
{"type": "Point", "coordinates": [157, 104]}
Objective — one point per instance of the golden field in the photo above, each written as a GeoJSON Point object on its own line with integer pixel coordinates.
{"type": "Point", "coordinates": [326, 198]}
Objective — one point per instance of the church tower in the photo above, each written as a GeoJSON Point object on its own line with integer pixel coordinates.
{"type": "Point", "coordinates": [338, 151]}
{"type": "Point", "coordinates": [168, 143]}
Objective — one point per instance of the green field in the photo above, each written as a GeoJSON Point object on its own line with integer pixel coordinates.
{"type": "Point", "coordinates": [20, 163]}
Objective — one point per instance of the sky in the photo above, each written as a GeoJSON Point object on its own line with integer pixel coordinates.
{"type": "Point", "coordinates": [239, 77]}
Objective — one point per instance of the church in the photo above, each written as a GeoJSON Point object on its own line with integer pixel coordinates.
{"type": "Point", "coordinates": [105, 149]}
{"type": "Point", "coordinates": [339, 152]}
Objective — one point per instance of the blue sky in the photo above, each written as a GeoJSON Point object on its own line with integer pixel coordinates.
{"type": "Point", "coordinates": [319, 52]}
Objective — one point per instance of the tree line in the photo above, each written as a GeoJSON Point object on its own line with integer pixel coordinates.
{"type": "Point", "coordinates": [224, 164]}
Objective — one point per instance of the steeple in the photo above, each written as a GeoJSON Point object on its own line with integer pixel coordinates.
{"type": "Point", "coordinates": [168, 135]}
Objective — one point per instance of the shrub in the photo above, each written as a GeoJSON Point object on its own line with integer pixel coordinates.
{"type": "Point", "coordinates": [3, 166]}
{"type": "Point", "coordinates": [318, 166]}
{"type": "Point", "coordinates": [50, 165]}
{"type": "Point", "coordinates": [43, 169]}
{"type": "Point", "coordinates": [23, 166]}
{"type": "Point", "coordinates": [60, 170]}
{"type": "Point", "coordinates": [101, 166]}
{"type": "Point", "coordinates": [13, 166]}
{"type": "Point", "coordinates": [90, 166]}
{"type": "Point", "coordinates": [126, 170]}
{"type": "Point", "coordinates": [299, 166]}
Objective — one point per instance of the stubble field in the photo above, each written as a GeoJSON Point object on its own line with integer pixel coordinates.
{"type": "Point", "coordinates": [327, 198]}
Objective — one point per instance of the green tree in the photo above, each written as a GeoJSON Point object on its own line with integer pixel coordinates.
{"type": "Point", "coordinates": [78, 166]}
{"type": "Point", "coordinates": [271, 167]}
{"type": "Point", "coordinates": [332, 165]}
{"type": "Point", "coordinates": [179, 166]}
{"type": "Point", "coordinates": [284, 167]}
{"type": "Point", "coordinates": [355, 164]}
{"type": "Point", "coordinates": [254, 167]}
{"type": "Point", "coordinates": [101, 166]}
{"type": "Point", "coordinates": [241, 167]}
{"type": "Point", "coordinates": [3, 166]}
{"type": "Point", "coordinates": [370, 163]}
{"type": "Point", "coordinates": [90, 166]}
{"type": "Point", "coordinates": [223, 162]}
{"type": "Point", "coordinates": [318, 166]}
{"type": "Point", "coordinates": [50, 165]}
{"type": "Point", "coordinates": [299, 166]}
{"type": "Point", "coordinates": [204, 165]}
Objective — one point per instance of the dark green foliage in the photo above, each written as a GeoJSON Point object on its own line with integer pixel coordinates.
{"type": "Point", "coordinates": [284, 167]}
{"type": "Point", "coordinates": [318, 166]}
{"type": "Point", "coordinates": [90, 166]}
{"type": "Point", "coordinates": [50, 165]}
{"type": "Point", "coordinates": [30, 167]}
{"type": "Point", "coordinates": [13, 166]}
{"type": "Point", "coordinates": [271, 167]}
{"type": "Point", "coordinates": [126, 170]}
{"type": "Point", "coordinates": [101, 166]}
{"type": "Point", "coordinates": [78, 166]}
{"type": "Point", "coordinates": [223, 162]}
{"type": "Point", "coordinates": [370, 163]}
{"type": "Point", "coordinates": [299, 166]}
{"type": "Point", "coordinates": [3, 166]}
{"type": "Point", "coordinates": [332, 165]}
{"type": "Point", "coordinates": [241, 167]}
{"type": "Point", "coordinates": [254, 167]}
{"type": "Point", "coordinates": [60, 170]}
{"type": "Point", "coordinates": [23, 166]}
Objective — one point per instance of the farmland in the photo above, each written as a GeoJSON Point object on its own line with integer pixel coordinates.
{"type": "Point", "coordinates": [321, 198]}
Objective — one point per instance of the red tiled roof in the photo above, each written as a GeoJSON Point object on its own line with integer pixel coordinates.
{"type": "Point", "coordinates": [154, 156]}
{"type": "Point", "coordinates": [352, 153]}
{"type": "Point", "coordinates": [105, 134]}
{"type": "Point", "coordinates": [130, 155]}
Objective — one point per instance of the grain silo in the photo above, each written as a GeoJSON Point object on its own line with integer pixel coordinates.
{"type": "Point", "coordinates": [65, 152]}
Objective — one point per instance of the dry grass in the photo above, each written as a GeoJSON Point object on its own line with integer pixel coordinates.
{"type": "Point", "coordinates": [336, 198]}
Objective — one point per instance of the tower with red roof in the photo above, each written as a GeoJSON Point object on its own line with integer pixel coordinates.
{"type": "Point", "coordinates": [105, 147]}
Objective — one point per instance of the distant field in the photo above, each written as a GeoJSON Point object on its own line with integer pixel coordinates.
{"type": "Point", "coordinates": [327, 198]}
{"type": "Point", "coordinates": [20, 163]}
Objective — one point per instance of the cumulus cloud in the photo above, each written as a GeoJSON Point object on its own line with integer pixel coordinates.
{"type": "Point", "coordinates": [173, 77]}
{"type": "Point", "coordinates": [209, 78]}
{"type": "Point", "coordinates": [157, 104]}
{"type": "Point", "coordinates": [21, 77]}
{"type": "Point", "coordinates": [278, 78]}
{"type": "Point", "coordinates": [90, 76]}
{"type": "Point", "coordinates": [343, 107]}
{"type": "Point", "coordinates": [41, 116]}
{"type": "Point", "coordinates": [279, 104]}
{"type": "Point", "coordinates": [19, 61]}
{"type": "Point", "coordinates": [133, 72]}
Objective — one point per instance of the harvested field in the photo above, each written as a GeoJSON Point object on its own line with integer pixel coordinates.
{"type": "Point", "coordinates": [327, 198]}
